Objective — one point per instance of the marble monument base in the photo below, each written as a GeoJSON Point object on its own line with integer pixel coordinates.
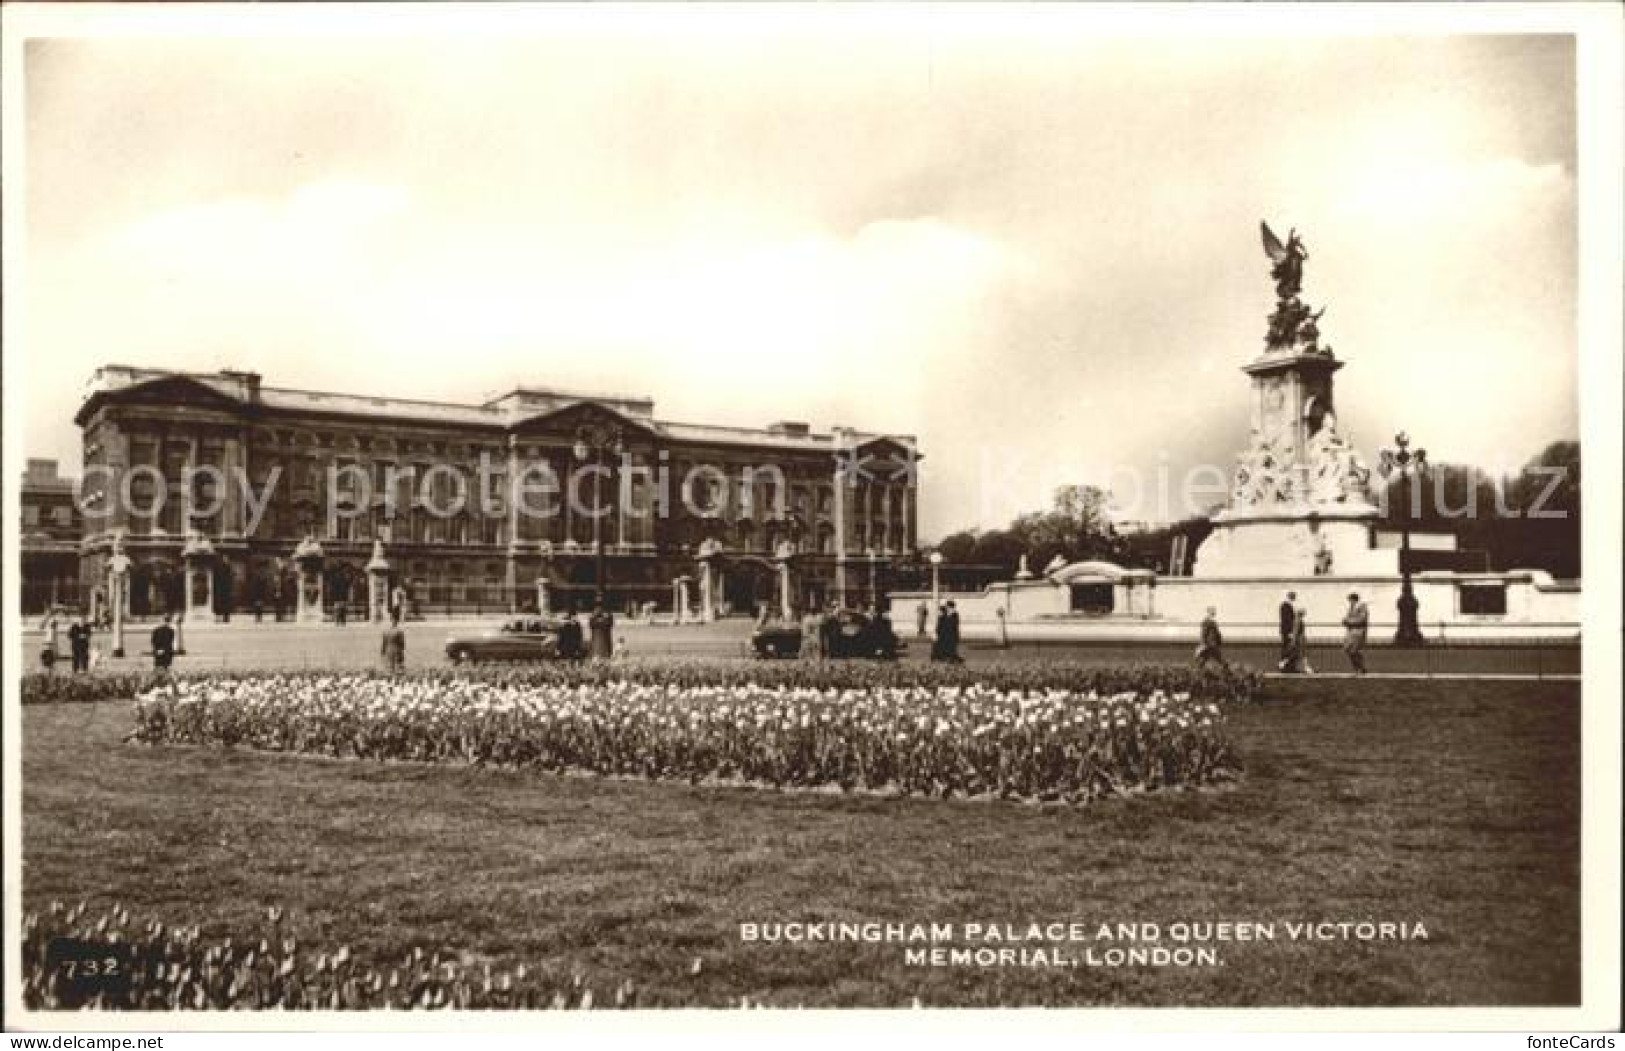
{"type": "Point", "coordinates": [1296, 543]}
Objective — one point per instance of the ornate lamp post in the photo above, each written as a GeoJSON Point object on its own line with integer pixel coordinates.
{"type": "Point", "coordinates": [118, 587]}
{"type": "Point", "coordinates": [593, 440]}
{"type": "Point", "coordinates": [936, 581]}
{"type": "Point", "coordinates": [1401, 464]}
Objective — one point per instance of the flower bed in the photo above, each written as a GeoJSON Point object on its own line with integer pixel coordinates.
{"type": "Point", "coordinates": [976, 739]}
{"type": "Point", "coordinates": [60, 688]}
{"type": "Point", "coordinates": [1228, 684]}
{"type": "Point", "coordinates": [71, 959]}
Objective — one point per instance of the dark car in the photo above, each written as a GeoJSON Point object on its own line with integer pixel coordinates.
{"type": "Point", "coordinates": [857, 636]}
{"type": "Point", "coordinates": [520, 639]}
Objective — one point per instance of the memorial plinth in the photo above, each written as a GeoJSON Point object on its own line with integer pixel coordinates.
{"type": "Point", "coordinates": [1300, 502]}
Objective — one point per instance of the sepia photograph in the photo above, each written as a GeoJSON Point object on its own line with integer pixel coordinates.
{"type": "Point", "coordinates": [518, 509]}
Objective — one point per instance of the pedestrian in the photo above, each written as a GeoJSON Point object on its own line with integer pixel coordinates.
{"type": "Point", "coordinates": [570, 647]}
{"type": "Point", "coordinates": [922, 614]}
{"type": "Point", "coordinates": [938, 638]}
{"type": "Point", "coordinates": [1300, 640]}
{"type": "Point", "coordinates": [601, 624]}
{"type": "Point", "coordinates": [812, 635]}
{"type": "Point", "coordinates": [829, 631]}
{"type": "Point", "coordinates": [49, 626]}
{"type": "Point", "coordinates": [1289, 627]}
{"type": "Point", "coordinates": [393, 649]}
{"type": "Point", "coordinates": [397, 603]}
{"type": "Point", "coordinates": [883, 637]}
{"type": "Point", "coordinates": [1355, 623]}
{"type": "Point", "coordinates": [79, 644]}
{"type": "Point", "coordinates": [948, 634]}
{"type": "Point", "coordinates": [1210, 651]}
{"type": "Point", "coordinates": [163, 645]}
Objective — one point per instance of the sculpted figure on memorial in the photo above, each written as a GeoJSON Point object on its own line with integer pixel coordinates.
{"type": "Point", "coordinates": [1337, 474]}
{"type": "Point", "coordinates": [1293, 327]}
{"type": "Point", "coordinates": [1263, 472]}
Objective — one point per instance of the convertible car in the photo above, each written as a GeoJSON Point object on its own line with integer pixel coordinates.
{"type": "Point", "coordinates": [520, 639]}
{"type": "Point", "coordinates": [856, 636]}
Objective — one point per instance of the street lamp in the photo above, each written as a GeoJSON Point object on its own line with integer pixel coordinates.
{"type": "Point", "coordinates": [936, 581]}
{"type": "Point", "coordinates": [593, 440]}
{"type": "Point", "coordinates": [1401, 464]}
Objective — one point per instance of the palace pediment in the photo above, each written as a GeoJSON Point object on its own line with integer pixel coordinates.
{"type": "Point", "coordinates": [568, 421]}
{"type": "Point", "coordinates": [167, 392]}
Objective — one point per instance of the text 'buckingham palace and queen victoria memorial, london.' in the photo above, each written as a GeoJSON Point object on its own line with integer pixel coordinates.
{"type": "Point", "coordinates": [281, 503]}
{"type": "Point", "coordinates": [1301, 516]}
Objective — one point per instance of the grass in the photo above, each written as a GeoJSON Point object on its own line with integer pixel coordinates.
{"type": "Point", "coordinates": [1456, 805]}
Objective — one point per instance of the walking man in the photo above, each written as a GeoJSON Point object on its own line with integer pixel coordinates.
{"type": "Point", "coordinates": [1289, 627]}
{"type": "Point", "coordinates": [79, 644]}
{"type": "Point", "coordinates": [948, 634]}
{"type": "Point", "coordinates": [1355, 623]}
{"type": "Point", "coordinates": [922, 613]}
{"type": "Point", "coordinates": [1210, 651]}
{"type": "Point", "coordinates": [163, 645]}
{"type": "Point", "coordinates": [393, 649]}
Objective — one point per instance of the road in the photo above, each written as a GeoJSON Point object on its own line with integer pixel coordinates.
{"type": "Point", "coordinates": [245, 644]}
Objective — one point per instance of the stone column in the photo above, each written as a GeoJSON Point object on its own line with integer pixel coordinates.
{"type": "Point", "coordinates": [232, 519]}
{"type": "Point", "coordinates": [840, 536]}
{"type": "Point", "coordinates": [543, 605]}
{"type": "Point", "coordinates": [623, 496]}
{"type": "Point", "coordinates": [511, 567]}
{"type": "Point", "coordinates": [784, 588]}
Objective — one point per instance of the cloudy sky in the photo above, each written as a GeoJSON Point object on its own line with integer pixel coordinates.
{"type": "Point", "coordinates": [1030, 242]}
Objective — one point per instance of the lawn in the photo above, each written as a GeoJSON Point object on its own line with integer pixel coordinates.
{"type": "Point", "coordinates": [1455, 805]}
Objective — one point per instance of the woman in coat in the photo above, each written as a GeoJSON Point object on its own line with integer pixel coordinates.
{"type": "Point", "coordinates": [1300, 633]}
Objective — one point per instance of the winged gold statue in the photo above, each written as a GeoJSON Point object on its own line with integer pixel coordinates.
{"type": "Point", "coordinates": [1286, 259]}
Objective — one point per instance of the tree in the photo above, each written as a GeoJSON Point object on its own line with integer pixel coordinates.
{"type": "Point", "coordinates": [998, 547]}
{"type": "Point", "coordinates": [958, 548]}
{"type": "Point", "coordinates": [1542, 530]}
{"type": "Point", "coordinates": [1529, 520]}
{"type": "Point", "coordinates": [1152, 548]}
{"type": "Point", "coordinates": [1075, 528]}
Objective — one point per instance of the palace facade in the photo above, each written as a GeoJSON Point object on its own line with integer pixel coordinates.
{"type": "Point", "coordinates": [49, 539]}
{"type": "Point", "coordinates": [211, 481]}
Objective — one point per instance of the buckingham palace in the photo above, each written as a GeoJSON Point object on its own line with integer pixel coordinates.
{"type": "Point", "coordinates": [213, 486]}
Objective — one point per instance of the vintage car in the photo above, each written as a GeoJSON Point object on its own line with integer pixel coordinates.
{"type": "Point", "coordinates": [519, 639]}
{"type": "Point", "coordinates": [856, 636]}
